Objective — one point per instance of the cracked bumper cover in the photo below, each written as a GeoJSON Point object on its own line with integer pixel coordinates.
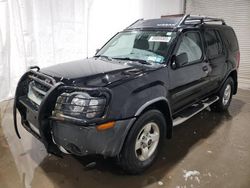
{"type": "Point", "coordinates": [80, 140]}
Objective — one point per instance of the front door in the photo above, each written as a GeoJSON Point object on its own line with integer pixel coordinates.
{"type": "Point", "coordinates": [188, 81]}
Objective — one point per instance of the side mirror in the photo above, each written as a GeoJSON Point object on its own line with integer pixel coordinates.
{"type": "Point", "coordinates": [97, 50]}
{"type": "Point", "coordinates": [179, 60]}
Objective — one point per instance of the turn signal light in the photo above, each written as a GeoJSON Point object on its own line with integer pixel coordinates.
{"type": "Point", "coordinates": [105, 126]}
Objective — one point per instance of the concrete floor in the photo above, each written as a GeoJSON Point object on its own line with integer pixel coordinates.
{"type": "Point", "coordinates": [209, 150]}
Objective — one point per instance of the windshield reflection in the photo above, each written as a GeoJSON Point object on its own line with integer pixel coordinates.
{"type": "Point", "coordinates": [145, 47]}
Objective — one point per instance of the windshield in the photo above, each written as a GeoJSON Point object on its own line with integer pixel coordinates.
{"type": "Point", "coordinates": [143, 46]}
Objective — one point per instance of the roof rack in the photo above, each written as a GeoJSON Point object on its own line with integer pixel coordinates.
{"type": "Point", "coordinates": [135, 22]}
{"type": "Point", "coordinates": [175, 22]}
{"type": "Point", "coordinates": [195, 20]}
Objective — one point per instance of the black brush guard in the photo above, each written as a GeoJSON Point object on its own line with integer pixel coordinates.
{"type": "Point", "coordinates": [42, 113]}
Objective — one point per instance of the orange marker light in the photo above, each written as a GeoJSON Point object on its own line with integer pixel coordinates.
{"type": "Point", "coordinates": [105, 126]}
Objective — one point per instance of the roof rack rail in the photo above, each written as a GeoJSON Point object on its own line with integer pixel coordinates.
{"type": "Point", "coordinates": [134, 22]}
{"type": "Point", "coordinates": [196, 19]}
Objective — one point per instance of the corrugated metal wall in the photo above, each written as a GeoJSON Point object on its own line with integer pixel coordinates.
{"type": "Point", "coordinates": [236, 14]}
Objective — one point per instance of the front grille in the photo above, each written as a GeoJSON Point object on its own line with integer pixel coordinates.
{"type": "Point", "coordinates": [39, 85]}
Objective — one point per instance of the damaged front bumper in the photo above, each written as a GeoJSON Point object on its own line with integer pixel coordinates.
{"type": "Point", "coordinates": [80, 140]}
{"type": "Point", "coordinates": [58, 135]}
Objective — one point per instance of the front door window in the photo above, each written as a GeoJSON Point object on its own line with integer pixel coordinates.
{"type": "Point", "coordinates": [191, 45]}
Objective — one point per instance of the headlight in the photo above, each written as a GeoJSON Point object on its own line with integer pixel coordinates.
{"type": "Point", "coordinates": [95, 106]}
{"type": "Point", "coordinates": [79, 102]}
{"type": "Point", "coordinates": [80, 105]}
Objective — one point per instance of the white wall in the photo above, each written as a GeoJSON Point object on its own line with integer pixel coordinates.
{"type": "Point", "coordinates": [47, 32]}
{"type": "Point", "coordinates": [108, 17]}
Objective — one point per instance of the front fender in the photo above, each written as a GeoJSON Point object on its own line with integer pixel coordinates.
{"type": "Point", "coordinates": [140, 98]}
{"type": "Point", "coordinates": [153, 97]}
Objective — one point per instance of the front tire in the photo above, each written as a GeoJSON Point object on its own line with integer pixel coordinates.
{"type": "Point", "coordinates": [225, 95]}
{"type": "Point", "coordinates": [142, 144]}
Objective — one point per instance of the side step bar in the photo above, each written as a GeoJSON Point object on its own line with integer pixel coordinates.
{"type": "Point", "coordinates": [193, 110]}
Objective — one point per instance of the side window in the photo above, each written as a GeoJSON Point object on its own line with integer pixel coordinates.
{"type": "Point", "coordinates": [191, 45]}
{"type": "Point", "coordinates": [231, 39]}
{"type": "Point", "coordinates": [214, 44]}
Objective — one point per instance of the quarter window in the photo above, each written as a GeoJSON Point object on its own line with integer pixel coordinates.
{"type": "Point", "coordinates": [191, 45]}
{"type": "Point", "coordinates": [231, 39]}
{"type": "Point", "coordinates": [214, 44]}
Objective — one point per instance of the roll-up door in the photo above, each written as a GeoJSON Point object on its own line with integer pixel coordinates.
{"type": "Point", "coordinates": [236, 14]}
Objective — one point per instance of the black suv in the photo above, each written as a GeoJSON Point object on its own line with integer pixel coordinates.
{"type": "Point", "coordinates": [125, 100]}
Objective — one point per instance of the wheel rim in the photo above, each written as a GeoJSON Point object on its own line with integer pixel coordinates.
{"type": "Point", "coordinates": [147, 141]}
{"type": "Point", "coordinates": [226, 95]}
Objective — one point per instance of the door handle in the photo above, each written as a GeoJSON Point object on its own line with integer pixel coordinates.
{"type": "Point", "coordinates": [205, 68]}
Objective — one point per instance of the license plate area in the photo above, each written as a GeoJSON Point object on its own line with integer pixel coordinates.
{"type": "Point", "coordinates": [32, 118]}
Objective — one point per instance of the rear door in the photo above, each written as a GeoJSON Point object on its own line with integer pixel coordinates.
{"type": "Point", "coordinates": [216, 56]}
{"type": "Point", "coordinates": [189, 82]}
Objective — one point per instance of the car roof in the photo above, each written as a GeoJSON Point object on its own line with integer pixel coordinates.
{"type": "Point", "coordinates": [170, 22]}
{"type": "Point", "coordinates": [176, 22]}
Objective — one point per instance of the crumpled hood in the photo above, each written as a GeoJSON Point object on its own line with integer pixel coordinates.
{"type": "Point", "coordinates": [92, 72]}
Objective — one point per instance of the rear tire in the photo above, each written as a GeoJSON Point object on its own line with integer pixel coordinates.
{"type": "Point", "coordinates": [225, 95]}
{"type": "Point", "coordinates": [142, 144]}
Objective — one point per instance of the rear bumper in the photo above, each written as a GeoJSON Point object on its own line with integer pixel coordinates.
{"type": "Point", "coordinates": [79, 140]}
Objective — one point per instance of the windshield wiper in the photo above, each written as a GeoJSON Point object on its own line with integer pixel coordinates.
{"type": "Point", "coordinates": [104, 56]}
{"type": "Point", "coordinates": [137, 60]}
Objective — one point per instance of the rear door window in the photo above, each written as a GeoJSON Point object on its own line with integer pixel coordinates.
{"type": "Point", "coordinates": [214, 43]}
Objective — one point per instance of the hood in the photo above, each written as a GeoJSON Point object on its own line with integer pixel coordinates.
{"type": "Point", "coordinates": [92, 72]}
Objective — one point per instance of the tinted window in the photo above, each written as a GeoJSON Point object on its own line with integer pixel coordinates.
{"type": "Point", "coordinates": [231, 39]}
{"type": "Point", "coordinates": [191, 44]}
{"type": "Point", "coordinates": [214, 44]}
